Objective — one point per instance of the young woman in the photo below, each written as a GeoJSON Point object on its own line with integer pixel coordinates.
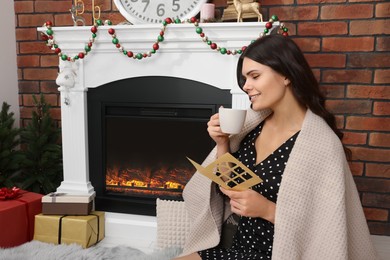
{"type": "Point", "coordinates": [307, 206]}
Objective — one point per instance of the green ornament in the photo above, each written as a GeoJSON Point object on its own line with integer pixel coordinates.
{"type": "Point", "coordinates": [274, 17]}
{"type": "Point", "coordinates": [76, 57]}
{"type": "Point", "coordinates": [125, 52]}
{"type": "Point", "coordinates": [209, 42]}
{"type": "Point", "coordinates": [285, 29]}
{"type": "Point", "coordinates": [109, 22]}
{"type": "Point", "coordinates": [252, 41]}
{"type": "Point", "coordinates": [99, 22]}
{"type": "Point", "coordinates": [199, 30]}
{"type": "Point", "coordinates": [239, 51]}
{"type": "Point", "coordinates": [266, 30]}
{"type": "Point", "coordinates": [64, 57]}
{"type": "Point", "coordinates": [160, 38]}
{"type": "Point", "coordinates": [223, 51]}
{"type": "Point", "coordinates": [94, 35]}
{"type": "Point", "coordinates": [139, 56]}
{"type": "Point", "coordinates": [49, 32]}
{"type": "Point", "coordinates": [177, 20]}
{"type": "Point", "coordinates": [164, 23]}
{"type": "Point", "coordinates": [87, 48]}
{"type": "Point", "coordinates": [115, 40]}
{"type": "Point", "coordinates": [153, 51]}
{"type": "Point", "coordinates": [55, 45]}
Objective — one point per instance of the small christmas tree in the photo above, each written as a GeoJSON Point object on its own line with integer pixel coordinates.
{"type": "Point", "coordinates": [10, 156]}
{"type": "Point", "coordinates": [42, 167]}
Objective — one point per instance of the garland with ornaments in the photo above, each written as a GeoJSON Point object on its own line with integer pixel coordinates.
{"type": "Point", "coordinates": [48, 37]}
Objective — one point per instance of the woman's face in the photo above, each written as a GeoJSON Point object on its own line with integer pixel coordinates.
{"type": "Point", "coordinates": [265, 87]}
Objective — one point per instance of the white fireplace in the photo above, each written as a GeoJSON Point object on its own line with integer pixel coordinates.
{"type": "Point", "coordinates": [182, 54]}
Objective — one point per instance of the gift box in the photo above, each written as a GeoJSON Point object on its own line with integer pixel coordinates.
{"type": "Point", "coordinates": [17, 218]}
{"type": "Point", "coordinates": [67, 204]}
{"type": "Point", "coordinates": [62, 229]}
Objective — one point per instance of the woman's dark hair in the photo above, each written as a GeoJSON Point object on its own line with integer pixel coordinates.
{"type": "Point", "coordinates": [282, 54]}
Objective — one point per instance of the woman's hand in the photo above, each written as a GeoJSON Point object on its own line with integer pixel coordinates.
{"type": "Point", "coordinates": [250, 203]}
{"type": "Point", "coordinates": [215, 132]}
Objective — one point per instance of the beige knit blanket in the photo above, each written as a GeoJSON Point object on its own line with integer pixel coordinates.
{"type": "Point", "coordinates": [318, 211]}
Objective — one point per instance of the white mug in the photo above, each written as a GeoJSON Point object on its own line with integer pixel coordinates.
{"type": "Point", "coordinates": [231, 120]}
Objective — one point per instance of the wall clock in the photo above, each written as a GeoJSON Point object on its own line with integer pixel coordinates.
{"type": "Point", "coordinates": [155, 11]}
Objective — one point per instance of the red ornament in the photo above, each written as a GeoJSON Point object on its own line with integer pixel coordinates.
{"type": "Point", "coordinates": [94, 29]}
{"type": "Point", "coordinates": [213, 46]}
{"type": "Point", "coordinates": [243, 48]}
{"type": "Point", "coordinates": [57, 50]}
{"type": "Point", "coordinates": [49, 23]}
{"type": "Point", "coordinates": [168, 20]}
{"type": "Point", "coordinates": [81, 55]}
{"type": "Point", "coordinates": [90, 44]}
{"type": "Point", "coordinates": [44, 37]}
{"type": "Point", "coordinates": [201, 35]}
{"type": "Point", "coordinates": [285, 34]}
{"type": "Point", "coordinates": [193, 19]}
{"type": "Point", "coordinates": [51, 37]}
{"type": "Point", "coordinates": [144, 55]}
{"type": "Point", "coordinates": [68, 58]}
{"type": "Point", "coordinates": [118, 45]}
{"type": "Point", "coordinates": [130, 54]}
{"type": "Point", "coordinates": [111, 31]}
{"type": "Point", "coordinates": [268, 25]}
{"type": "Point", "coordinates": [228, 52]}
{"type": "Point", "coordinates": [162, 33]}
{"type": "Point", "coordinates": [156, 46]}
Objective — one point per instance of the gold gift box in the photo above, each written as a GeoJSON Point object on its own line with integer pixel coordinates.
{"type": "Point", "coordinates": [62, 229]}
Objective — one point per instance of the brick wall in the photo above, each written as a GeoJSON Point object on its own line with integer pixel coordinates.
{"type": "Point", "coordinates": [347, 43]}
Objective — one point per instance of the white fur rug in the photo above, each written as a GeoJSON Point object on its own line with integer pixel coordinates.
{"type": "Point", "coordinates": [36, 250]}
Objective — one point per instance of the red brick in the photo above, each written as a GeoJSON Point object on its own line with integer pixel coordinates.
{"type": "Point", "coordinates": [340, 121]}
{"type": "Point", "coordinates": [34, 47]}
{"type": "Point", "coordinates": [298, 13]}
{"type": "Point", "coordinates": [363, 91]}
{"type": "Point", "coordinates": [66, 20]}
{"type": "Point", "coordinates": [28, 61]}
{"type": "Point", "coordinates": [51, 99]}
{"type": "Point", "coordinates": [356, 168]}
{"type": "Point", "coordinates": [380, 139]}
{"type": "Point", "coordinates": [317, 74]}
{"type": "Point", "coordinates": [26, 112]}
{"type": "Point", "coordinates": [55, 113]}
{"type": "Point", "coordinates": [104, 5]}
{"type": "Point", "coordinates": [370, 154]}
{"type": "Point", "coordinates": [378, 170]}
{"type": "Point", "coordinates": [376, 200]}
{"type": "Point", "coordinates": [57, 6]}
{"type": "Point", "coordinates": [49, 87]}
{"type": "Point", "coordinates": [379, 228]}
{"type": "Point", "coordinates": [115, 18]}
{"type": "Point", "coordinates": [349, 106]}
{"type": "Point", "coordinates": [369, 27]}
{"type": "Point", "coordinates": [352, 11]}
{"type": "Point", "coordinates": [353, 138]}
{"type": "Point", "coordinates": [368, 123]}
{"type": "Point", "coordinates": [382, 44]}
{"type": "Point", "coordinates": [33, 20]}
{"type": "Point", "coordinates": [367, 60]}
{"type": "Point", "coordinates": [347, 76]}
{"type": "Point", "coordinates": [24, 7]}
{"type": "Point", "coordinates": [376, 214]}
{"type": "Point", "coordinates": [382, 10]}
{"type": "Point", "coordinates": [372, 185]}
{"type": "Point", "coordinates": [382, 76]}
{"type": "Point", "coordinates": [26, 34]}
{"type": "Point", "coordinates": [28, 86]}
{"type": "Point", "coordinates": [264, 2]}
{"type": "Point", "coordinates": [348, 44]}
{"type": "Point", "coordinates": [326, 60]}
{"type": "Point", "coordinates": [381, 108]}
{"type": "Point", "coordinates": [20, 74]}
{"type": "Point", "coordinates": [292, 28]}
{"type": "Point", "coordinates": [333, 91]}
{"type": "Point", "coordinates": [322, 28]}
{"type": "Point", "coordinates": [308, 44]}
{"type": "Point", "coordinates": [49, 60]}
{"type": "Point", "coordinates": [40, 74]}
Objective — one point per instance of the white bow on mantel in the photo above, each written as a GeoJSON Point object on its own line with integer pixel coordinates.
{"type": "Point", "coordinates": [67, 78]}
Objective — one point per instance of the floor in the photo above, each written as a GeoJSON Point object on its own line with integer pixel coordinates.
{"type": "Point", "coordinates": [382, 244]}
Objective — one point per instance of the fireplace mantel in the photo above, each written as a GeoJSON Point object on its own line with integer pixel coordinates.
{"type": "Point", "coordinates": [182, 54]}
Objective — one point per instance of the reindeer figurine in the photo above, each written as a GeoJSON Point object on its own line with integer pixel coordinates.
{"type": "Point", "coordinates": [241, 8]}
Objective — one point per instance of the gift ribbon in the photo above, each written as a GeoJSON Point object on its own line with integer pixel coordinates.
{"type": "Point", "coordinates": [27, 209]}
{"type": "Point", "coordinates": [54, 195]}
{"type": "Point", "coordinates": [9, 194]}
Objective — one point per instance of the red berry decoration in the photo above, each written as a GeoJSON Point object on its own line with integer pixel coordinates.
{"type": "Point", "coordinates": [130, 54]}
{"type": "Point", "coordinates": [44, 37]}
{"type": "Point", "coordinates": [156, 46]}
{"type": "Point", "coordinates": [144, 55]}
{"type": "Point", "coordinates": [118, 45]}
{"type": "Point", "coordinates": [243, 48]}
{"type": "Point", "coordinates": [213, 46]}
{"type": "Point", "coordinates": [285, 34]}
{"type": "Point", "coordinates": [168, 20]}
{"type": "Point", "coordinates": [201, 35]}
{"type": "Point", "coordinates": [90, 44]}
{"type": "Point", "coordinates": [57, 50]}
{"type": "Point", "coordinates": [94, 29]}
{"type": "Point", "coordinates": [193, 19]}
{"type": "Point", "coordinates": [49, 23]}
{"type": "Point", "coordinates": [111, 31]}
{"type": "Point", "coordinates": [268, 25]}
{"type": "Point", "coordinates": [162, 33]}
{"type": "Point", "coordinates": [81, 55]}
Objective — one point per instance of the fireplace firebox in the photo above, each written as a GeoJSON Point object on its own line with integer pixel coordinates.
{"type": "Point", "coordinates": [141, 131]}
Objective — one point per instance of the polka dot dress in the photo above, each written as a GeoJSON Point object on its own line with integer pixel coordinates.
{"type": "Point", "coordinates": [254, 236]}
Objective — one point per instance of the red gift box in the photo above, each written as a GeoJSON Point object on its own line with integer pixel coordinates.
{"type": "Point", "coordinates": [17, 218]}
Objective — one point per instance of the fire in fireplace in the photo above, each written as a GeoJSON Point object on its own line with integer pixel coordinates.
{"type": "Point", "coordinates": [140, 132]}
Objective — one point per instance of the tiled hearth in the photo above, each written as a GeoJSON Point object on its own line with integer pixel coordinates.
{"type": "Point", "coordinates": [182, 54]}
